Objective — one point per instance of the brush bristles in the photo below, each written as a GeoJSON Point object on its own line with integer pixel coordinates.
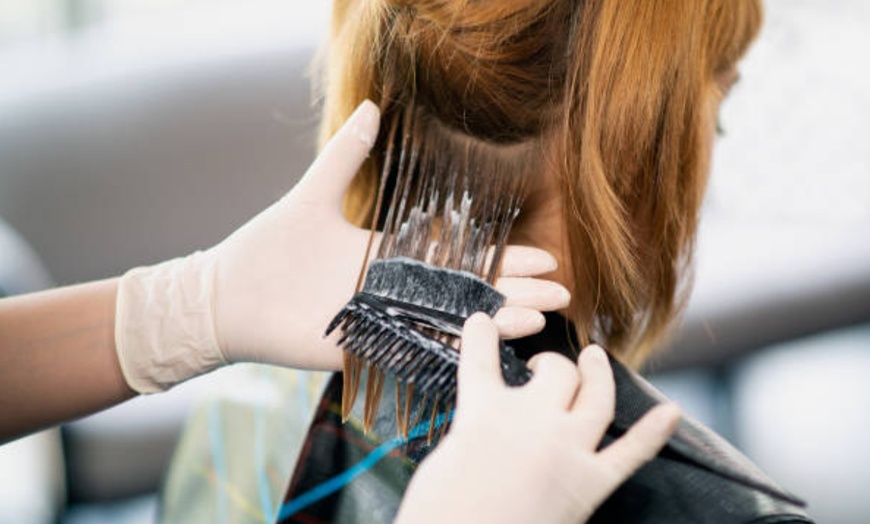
{"type": "Point", "coordinates": [454, 293]}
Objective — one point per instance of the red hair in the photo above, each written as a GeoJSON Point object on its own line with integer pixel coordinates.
{"type": "Point", "coordinates": [615, 93]}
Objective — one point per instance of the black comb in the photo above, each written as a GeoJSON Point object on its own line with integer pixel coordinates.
{"type": "Point", "coordinates": [398, 321]}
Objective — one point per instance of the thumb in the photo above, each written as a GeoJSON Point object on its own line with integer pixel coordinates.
{"type": "Point", "coordinates": [479, 364]}
{"type": "Point", "coordinates": [332, 171]}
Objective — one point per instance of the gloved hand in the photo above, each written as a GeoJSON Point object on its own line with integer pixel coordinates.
{"type": "Point", "coordinates": [267, 292]}
{"type": "Point", "coordinates": [528, 454]}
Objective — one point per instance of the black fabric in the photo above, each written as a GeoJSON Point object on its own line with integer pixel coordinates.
{"type": "Point", "coordinates": [697, 478]}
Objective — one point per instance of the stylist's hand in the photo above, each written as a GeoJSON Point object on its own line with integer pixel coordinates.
{"type": "Point", "coordinates": [268, 291]}
{"type": "Point", "coordinates": [285, 274]}
{"type": "Point", "coordinates": [529, 454]}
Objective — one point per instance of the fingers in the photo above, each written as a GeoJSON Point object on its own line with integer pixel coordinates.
{"type": "Point", "coordinates": [642, 441]}
{"type": "Point", "coordinates": [517, 322]}
{"type": "Point", "coordinates": [533, 293]}
{"type": "Point", "coordinates": [524, 261]}
{"type": "Point", "coordinates": [328, 177]}
{"type": "Point", "coordinates": [596, 401]}
{"type": "Point", "coordinates": [479, 363]}
{"type": "Point", "coordinates": [554, 378]}
{"type": "Point", "coordinates": [526, 297]}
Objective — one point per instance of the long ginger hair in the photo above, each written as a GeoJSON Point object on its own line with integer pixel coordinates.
{"type": "Point", "coordinates": [615, 93]}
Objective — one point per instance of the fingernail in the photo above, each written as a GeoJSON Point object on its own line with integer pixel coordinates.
{"type": "Point", "coordinates": [364, 122]}
{"type": "Point", "coordinates": [596, 352]}
{"type": "Point", "coordinates": [564, 296]}
{"type": "Point", "coordinates": [552, 263]}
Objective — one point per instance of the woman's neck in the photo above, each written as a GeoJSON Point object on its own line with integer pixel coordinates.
{"type": "Point", "coordinates": [542, 224]}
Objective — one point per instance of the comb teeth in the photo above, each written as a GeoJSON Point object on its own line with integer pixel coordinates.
{"type": "Point", "coordinates": [391, 344]}
{"type": "Point", "coordinates": [384, 334]}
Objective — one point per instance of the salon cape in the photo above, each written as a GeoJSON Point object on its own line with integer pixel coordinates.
{"type": "Point", "coordinates": [282, 455]}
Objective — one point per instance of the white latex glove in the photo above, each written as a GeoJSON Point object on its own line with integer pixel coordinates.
{"type": "Point", "coordinates": [528, 454]}
{"type": "Point", "coordinates": [268, 291]}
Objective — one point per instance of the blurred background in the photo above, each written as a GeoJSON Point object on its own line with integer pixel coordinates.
{"type": "Point", "coordinates": [132, 131]}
